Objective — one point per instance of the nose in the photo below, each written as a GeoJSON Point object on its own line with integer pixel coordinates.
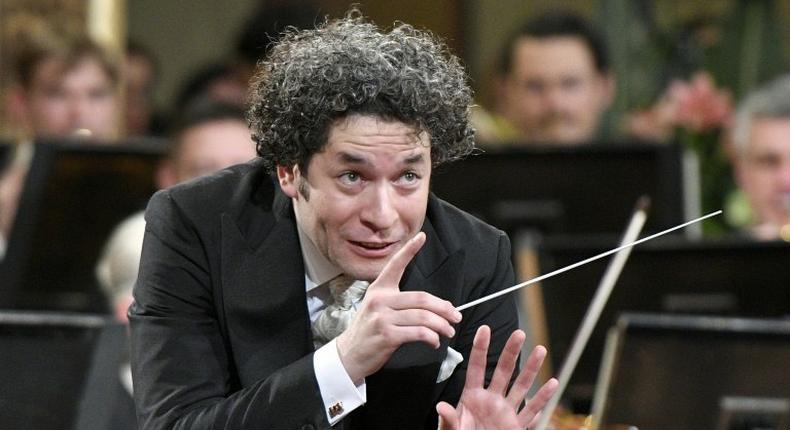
{"type": "Point", "coordinates": [379, 212]}
{"type": "Point", "coordinates": [81, 112]}
{"type": "Point", "coordinates": [78, 112]}
{"type": "Point", "coordinates": [554, 98]}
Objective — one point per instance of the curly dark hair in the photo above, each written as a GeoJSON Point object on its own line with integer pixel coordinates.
{"type": "Point", "coordinates": [348, 66]}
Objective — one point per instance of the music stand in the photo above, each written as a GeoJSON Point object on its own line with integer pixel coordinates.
{"type": "Point", "coordinates": [589, 189]}
{"type": "Point", "coordinates": [695, 372]}
{"type": "Point", "coordinates": [732, 277]}
{"type": "Point", "coordinates": [74, 194]}
{"type": "Point", "coordinates": [59, 371]}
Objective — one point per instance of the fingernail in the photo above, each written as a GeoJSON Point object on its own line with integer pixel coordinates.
{"type": "Point", "coordinates": [457, 316]}
{"type": "Point", "coordinates": [452, 332]}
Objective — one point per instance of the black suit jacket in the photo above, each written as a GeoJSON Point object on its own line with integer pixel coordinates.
{"type": "Point", "coordinates": [220, 329]}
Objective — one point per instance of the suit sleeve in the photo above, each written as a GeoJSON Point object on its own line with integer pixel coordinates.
{"type": "Point", "coordinates": [183, 375]}
{"type": "Point", "coordinates": [499, 314]}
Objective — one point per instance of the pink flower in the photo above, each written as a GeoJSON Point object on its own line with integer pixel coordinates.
{"type": "Point", "coordinates": [697, 105]}
{"type": "Point", "coordinates": [700, 106]}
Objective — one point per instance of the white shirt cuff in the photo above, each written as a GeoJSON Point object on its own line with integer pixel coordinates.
{"type": "Point", "coordinates": [340, 394]}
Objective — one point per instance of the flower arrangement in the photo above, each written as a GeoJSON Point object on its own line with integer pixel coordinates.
{"type": "Point", "coordinates": [696, 106]}
{"type": "Point", "coordinates": [697, 114]}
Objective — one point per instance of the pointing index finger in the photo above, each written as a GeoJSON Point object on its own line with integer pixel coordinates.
{"type": "Point", "coordinates": [394, 268]}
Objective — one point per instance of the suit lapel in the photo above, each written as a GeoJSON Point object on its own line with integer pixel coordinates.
{"type": "Point", "coordinates": [263, 289]}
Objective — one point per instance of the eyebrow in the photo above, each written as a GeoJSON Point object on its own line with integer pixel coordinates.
{"type": "Point", "coordinates": [414, 159]}
{"type": "Point", "coordinates": [348, 158]}
{"type": "Point", "coordinates": [345, 157]}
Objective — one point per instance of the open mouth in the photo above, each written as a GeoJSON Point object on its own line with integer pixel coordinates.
{"type": "Point", "coordinates": [373, 249]}
{"type": "Point", "coordinates": [372, 245]}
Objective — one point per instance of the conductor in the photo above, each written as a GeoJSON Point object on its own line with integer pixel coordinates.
{"type": "Point", "coordinates": [316, 285]}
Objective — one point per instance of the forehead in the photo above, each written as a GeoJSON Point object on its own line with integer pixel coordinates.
{"type": "Point", "coordinates": [226, 132]}
{"type": "Point", "coordinates": [372, 133]}
{"type": "Point", "coordinates": [55, 71]}
{"type": "Point", "coordinates": [770, 133]}
{"type": "Point", "coordinates": [551, 55]}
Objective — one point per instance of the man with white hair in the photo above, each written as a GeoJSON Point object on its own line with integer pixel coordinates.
{"type": "Point", "coordinates": [761, 158]}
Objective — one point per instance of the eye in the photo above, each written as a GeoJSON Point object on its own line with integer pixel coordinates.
{"type": "Point", "coordinates": [533, 87]}
{"type": "Point", "coordinates": [349, 178]}
{"type": "Point", "coordinates": [54, 93]}
{"type": "Point", "coordinates": [409, 178]}
{"type": "Point", "coordinates": [766, 161]}
{"type": "Point", "coordinates": [571, 83]}
{"type": "Point", "coordinates": [99, 93]}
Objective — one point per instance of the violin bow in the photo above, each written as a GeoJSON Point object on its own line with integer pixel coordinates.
{"type": "Point", "coordinates": [604, 290]}
{"type": "Point", "coordinates": [583, 262]}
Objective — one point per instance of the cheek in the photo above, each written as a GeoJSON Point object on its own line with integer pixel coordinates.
{"type": "Point", "coordinates": [581, 101]}
{"type": "Point", "coordinates": [526, 112]}
{"type": "Point", "coordinates": [104, 108]}
{"type": "Point", "coordinates": [757, 185]}
{"type": "Point", "coordinates": [108, 103]}
{"type": "Point", "coordinates": [51, 116]}
{"type": "Point", "coordinates": [332, 213]}
{"type": "Point", "coordinates": [760, 179]}
{"type": "Point", "coordinates": [413, 212]}
{"type": "Point", "coordinates": [50, 108]}
{"type": "Point", "coordinates": [530, 102]}
{"type": "Point", "coordinates": [523, 99]}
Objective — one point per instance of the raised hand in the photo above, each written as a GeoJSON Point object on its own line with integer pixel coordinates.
{"type": "Point", "coordinates": [496, 407]}
{"type": "Point", "coordinates": [388, 318]}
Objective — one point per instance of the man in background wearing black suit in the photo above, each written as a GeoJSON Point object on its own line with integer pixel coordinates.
{"type": "Point", "coordinates": [239, 269]}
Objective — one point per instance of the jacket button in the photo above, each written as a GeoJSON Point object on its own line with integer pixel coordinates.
{"type": "Point", "coordinates": [308, 427]}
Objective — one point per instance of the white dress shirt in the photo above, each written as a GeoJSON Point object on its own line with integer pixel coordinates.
{"type": "Point", "coordinates": [338, 391]}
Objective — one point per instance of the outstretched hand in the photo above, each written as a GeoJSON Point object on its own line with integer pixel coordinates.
{"type": "Point", "coordinates": [496, 406]}
{"type": "Point", "coordinates": [389, 317]}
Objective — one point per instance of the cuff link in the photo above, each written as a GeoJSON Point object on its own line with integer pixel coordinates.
{"type": "Point", "coordinates": [336, 409]}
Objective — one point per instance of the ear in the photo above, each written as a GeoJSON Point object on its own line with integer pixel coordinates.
{"type": "Point", "coordinates": [288, 177]}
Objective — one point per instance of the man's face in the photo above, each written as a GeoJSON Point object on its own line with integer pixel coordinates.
{"type": "Point", "coordinates": [365, 194]}
{"type": "Point", "coordinates": [61, 101]}
{"type": "Point", "coordinates": [553, 92]}
{"type": "Point", "coordinates": [763, 171]}
{"type": "Point", "coordinates": [212, 146]}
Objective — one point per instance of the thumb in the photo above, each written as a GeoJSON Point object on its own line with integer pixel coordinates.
{"type": "Point", "coordinates": [448, 416]}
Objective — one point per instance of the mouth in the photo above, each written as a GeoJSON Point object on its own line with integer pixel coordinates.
{"type": "Point", "coordinates": [373, 249]}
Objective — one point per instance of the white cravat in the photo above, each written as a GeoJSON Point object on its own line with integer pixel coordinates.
{"type": "Point", "coordinates": [334, 383]}
{"type": "Point", "coordinates": [337, 316]}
